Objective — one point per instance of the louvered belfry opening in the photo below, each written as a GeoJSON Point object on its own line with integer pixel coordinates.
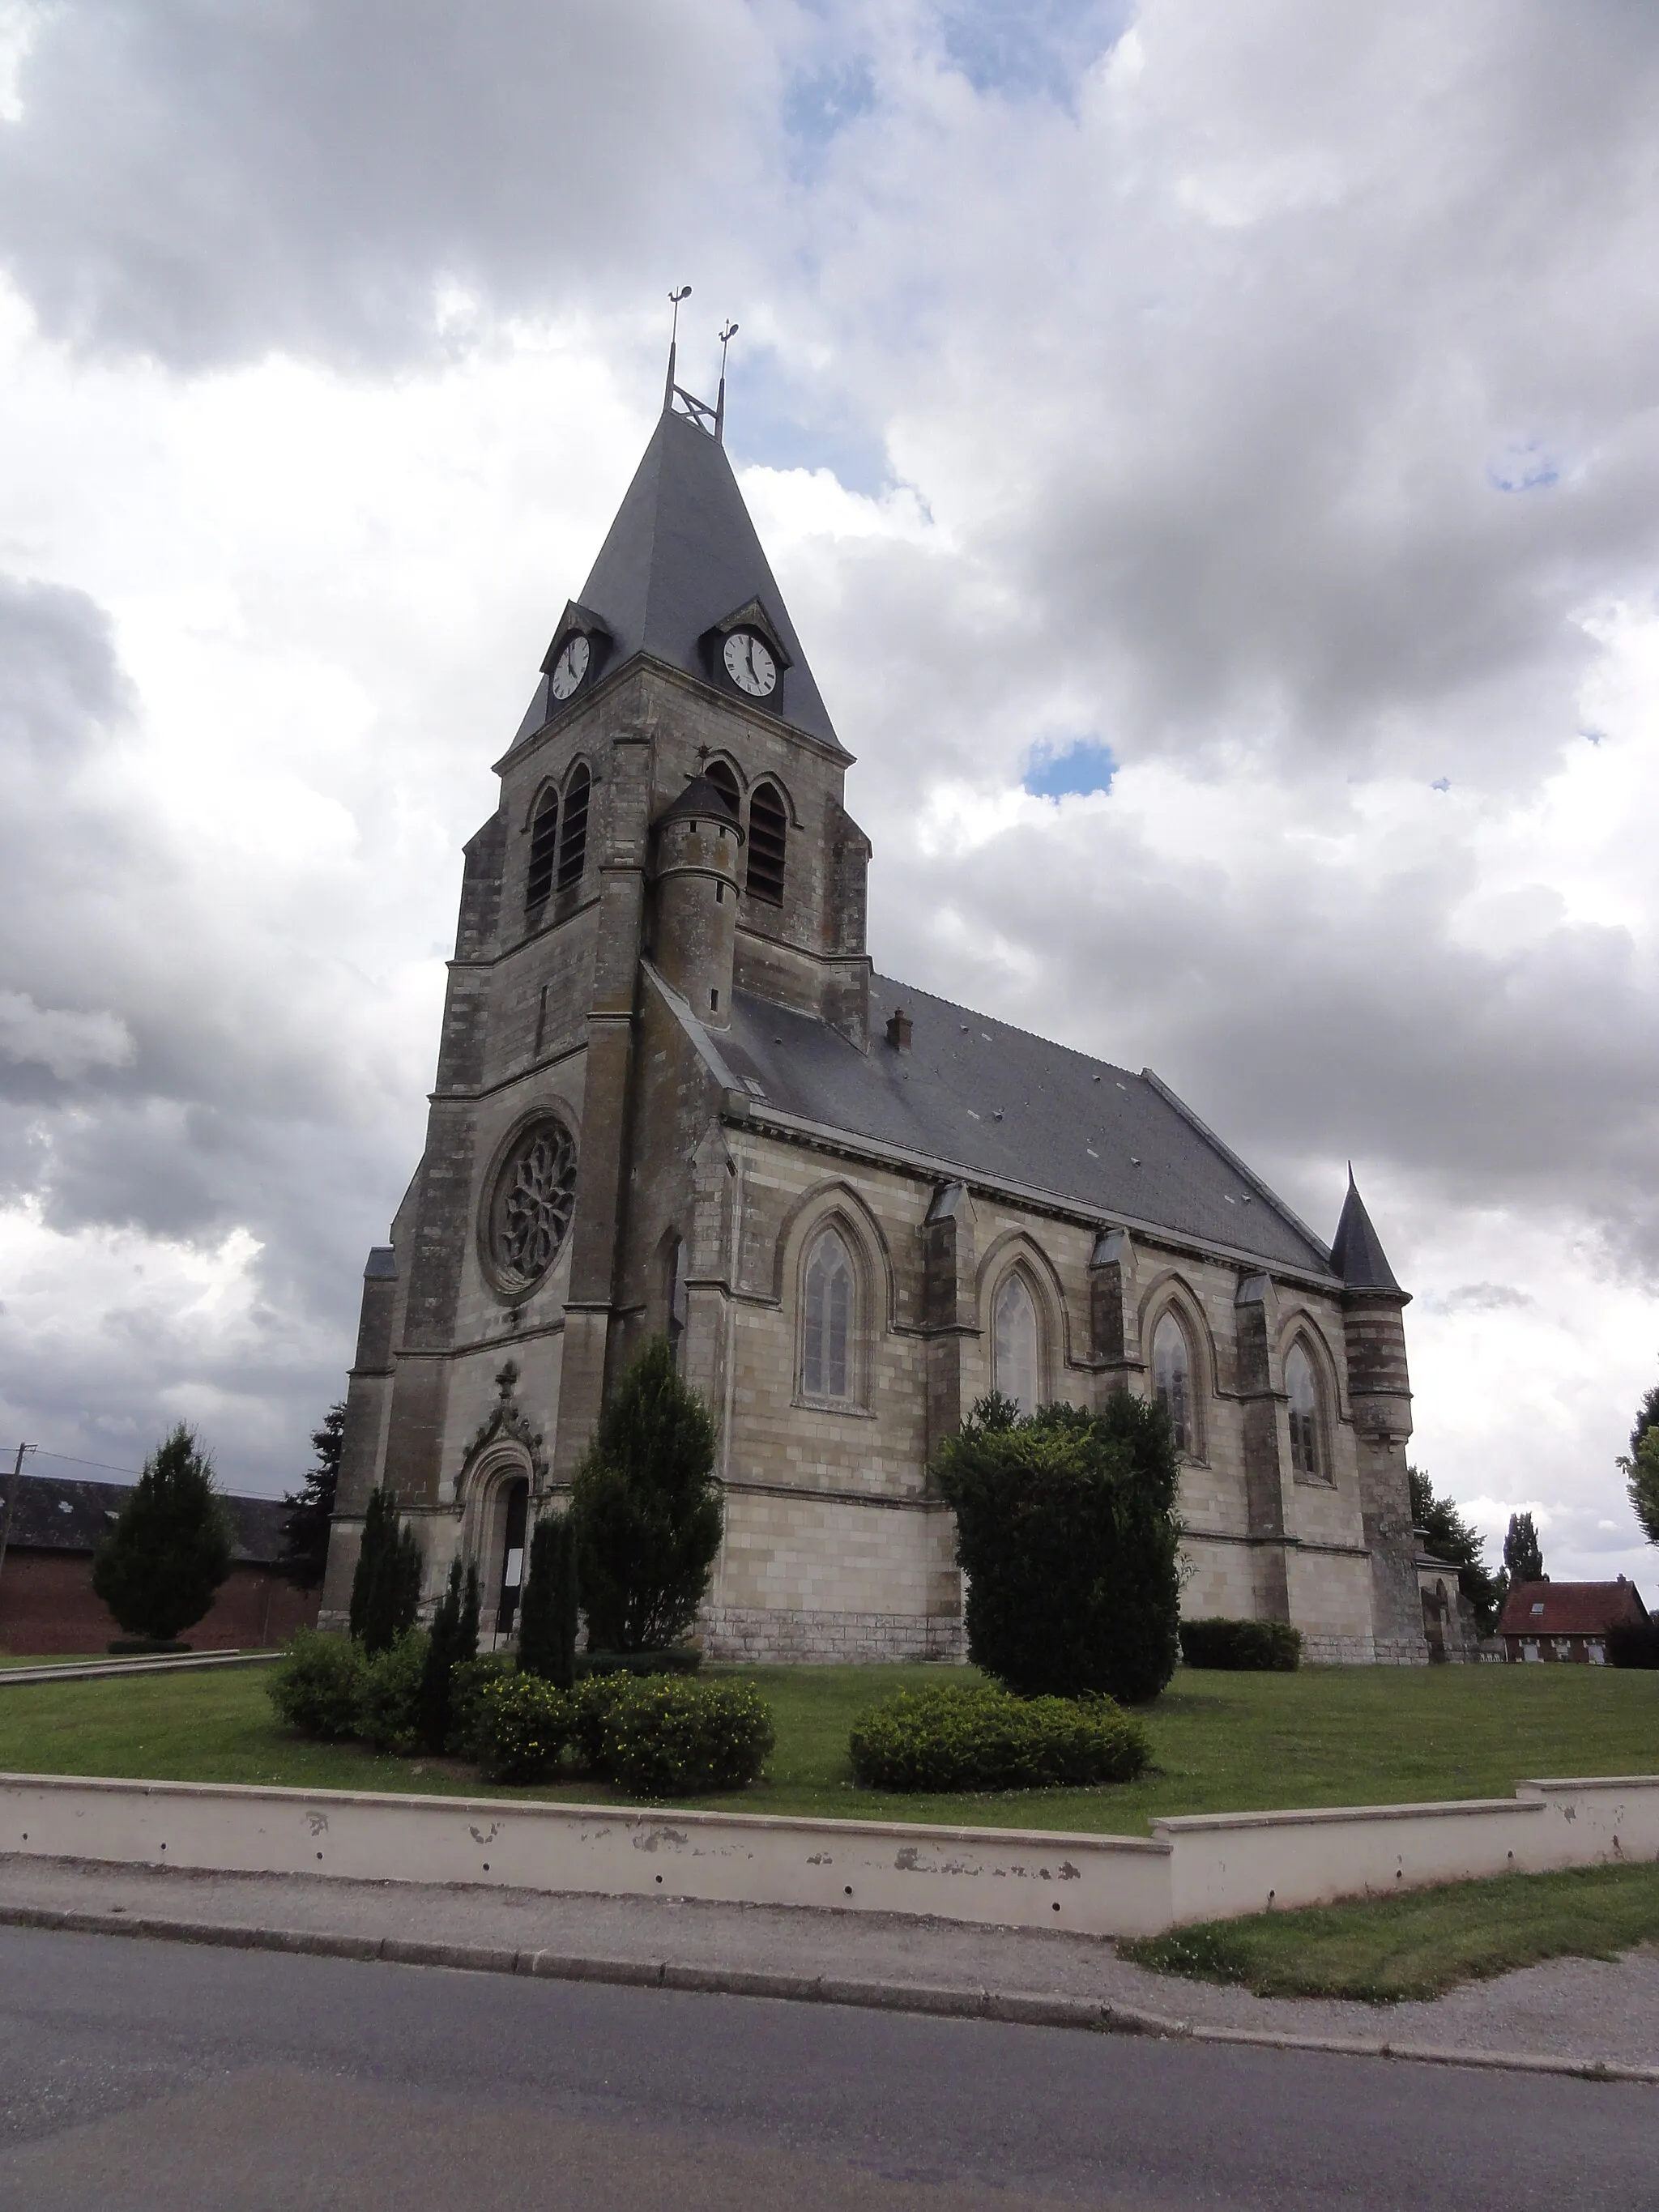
{"type": "Point", "coordinates": [768, 830]}
{"type": "Point", "coordinates": [544, 847]}
{"type": "Point", "coordinates": [720, 774]}
{"type": "Point", "coordinates": [573, 845]}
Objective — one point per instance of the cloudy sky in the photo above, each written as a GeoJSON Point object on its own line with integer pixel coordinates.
{"type": "Point", "coordinates": [1210, 452]}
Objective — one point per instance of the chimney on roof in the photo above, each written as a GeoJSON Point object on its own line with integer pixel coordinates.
{"type": "Point", "coordinates": [898, 1030]}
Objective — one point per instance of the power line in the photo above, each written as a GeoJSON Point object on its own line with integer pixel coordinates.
{"type": "Point", "coordinates": [70, 1460]}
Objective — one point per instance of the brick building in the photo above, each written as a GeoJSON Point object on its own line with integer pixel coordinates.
{"type": "Point", "coordinates": [46, 1599]}
{"type": "Point", "coordinates": [1545, 1621]}
{"type": "Point", "coordinates": [672, 1095]}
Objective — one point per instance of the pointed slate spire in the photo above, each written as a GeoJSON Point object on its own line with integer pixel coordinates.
{"type": "Point", "coordinates": [683, 555]}
{"type": "Point", "coordinates": [1357, 1253]}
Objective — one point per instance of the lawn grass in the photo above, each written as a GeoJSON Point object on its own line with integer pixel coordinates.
{"type": "Point", "coordinates": [1221, 1742]}
{"type": "Point", "coordinates": [1421, 1944]}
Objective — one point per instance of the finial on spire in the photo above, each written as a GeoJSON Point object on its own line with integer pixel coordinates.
{"type": "Point", "coordinates": [674, 299]}
{"type": "Point", "coordinates": [726, 337]}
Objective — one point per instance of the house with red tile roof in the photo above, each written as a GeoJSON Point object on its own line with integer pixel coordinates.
{"type": "Point", "coordinates": [1568, 1621]}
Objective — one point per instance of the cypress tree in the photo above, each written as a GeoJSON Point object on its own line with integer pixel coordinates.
{"type": "Point", "coordinates": [454, 1638]}
{"type": "Point", "coordinates": [546, 1620]}
{"type": "Point", "coordinates": [386, 1590]}
{"type": "Point", "coordinates": [170, 1548]}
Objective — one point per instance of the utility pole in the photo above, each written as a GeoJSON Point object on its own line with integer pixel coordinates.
{"type": "Point", "coordinates": [11, 1501]}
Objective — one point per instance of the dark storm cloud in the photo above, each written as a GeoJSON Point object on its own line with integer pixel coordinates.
{"type": "Point", "coordinates": [206, 183]}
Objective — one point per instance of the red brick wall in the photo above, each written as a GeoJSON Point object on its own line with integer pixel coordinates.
{"type": "Point", "coordinates": [46, 1605]}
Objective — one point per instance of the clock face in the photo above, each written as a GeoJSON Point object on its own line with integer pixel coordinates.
{"type": "Point", "coordinates": [570, 667]}
{"type": "Point", "coordinates": [750, 665]}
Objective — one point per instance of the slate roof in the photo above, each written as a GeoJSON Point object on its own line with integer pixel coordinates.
{"type": "Point", "coordinates": [1357, 1253]}
{"type": "Point", "coordinates": [988, 1100]}
{"type": "Point", "coordinates": [1572, 1608]}
{"type": "Point", "coordinates": [681, 556]}
{"type": "Point", "coordinates": [53, 1515]}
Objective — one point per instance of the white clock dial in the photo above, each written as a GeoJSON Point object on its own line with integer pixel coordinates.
{"type": "Point", "coordinates": [570, 667]}
{"type": "Point", "coordinates": [750, 665]}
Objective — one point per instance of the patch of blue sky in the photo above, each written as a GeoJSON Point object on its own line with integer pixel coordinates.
{"type": "Point", "coordinates": [820, 103]}
{"type": "Point", "coordinates": [1441, 783]}
{"type": "Point", "coordinates": [1031, 48]}
{"type": "Point", "coordinates": [1069, 771]}
{"type": "Point", "coordinates": [1523, 465]}
{"type": "Point", "coordinates": [774, 421]}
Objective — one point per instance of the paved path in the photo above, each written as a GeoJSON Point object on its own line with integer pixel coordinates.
{"type": "Point", "coordinates": [1580, 2010]}
{"type": "Point", "coordinates": [167, 2077]}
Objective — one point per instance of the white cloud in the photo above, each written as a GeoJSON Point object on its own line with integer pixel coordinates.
{"type": "Point", "coordinates": [67, 1043]}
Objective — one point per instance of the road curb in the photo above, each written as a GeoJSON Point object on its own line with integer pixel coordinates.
{"type": "Point", "coordinates": [1008, 2009]}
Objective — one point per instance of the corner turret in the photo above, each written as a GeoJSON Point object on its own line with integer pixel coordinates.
{"type": "Point", "coordinates": [694, 936]}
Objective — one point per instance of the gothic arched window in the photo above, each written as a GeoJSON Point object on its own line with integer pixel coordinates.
{"type": "Point", "coordinates": [1016, 1345]}
{"type": "Point", "coordinates": [1172, 1379]}
{"type": "Point", "coordinates": [543, 851]}
{"type": "Point", "coordinates": [1302, 1389]}
{"type": "Point", "coordinates": [827, 1314]}
{"type": "Point", "coordinates": [769, 836]}
{"type": "Point", "coordinates": [573, 845]}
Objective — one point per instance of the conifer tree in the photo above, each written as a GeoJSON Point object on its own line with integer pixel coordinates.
{"type": "Point", "coordinates": [311, 1508]}
{"type": "Point", "coordinates": [647, 1504]}
{"type": "Point", "coordinates": [170, 1548]}
{"type": "Point", "coordinates": [546, 1620]}
{"type": "Point", "coordinates": [1523, 1558]}
{"type": "Point", "coordinates": [454, 1638]}
{"type": "Point", "coordinates": [386, 1590]}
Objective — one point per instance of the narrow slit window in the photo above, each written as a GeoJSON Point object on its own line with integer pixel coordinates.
{"type": "Point", "coordinates": [543, 849]}
{"type": "Point", "coordinates": [1303, 1391]}
{"type": "Point", "coordinates": [1172, 1379]}
{"type": "Point", "coordinates": [1015, 1346]}
{"type": "Point", "coordinates": [677, 1298]}
{"type": "Point", "coordinates": [826, 1337]}
{"type": "Point", "coordinates": [573, 845]}
{"type": "Point", "coordinates": [768, 832]}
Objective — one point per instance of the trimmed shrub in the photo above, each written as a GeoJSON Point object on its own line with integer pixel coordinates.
{"type": "Point", "coordinates": [647, 1507]}
{"type": "Point", "coordinates": [591, 1706]}
{"type": "Point", "coordinates": [159, 1567]}
{"type": "Point", "coordinates": [523, 1725]}
{"type": "Point", "coordinates": [389, 1694]}
{"type": "Point", "coordinates": [469, 1679]}
{"type": "Point", "coordinates": [666, 1737]}
{"type": "Point", "coordinates": [963, 1737]}
{"type": "Point", "coordinates": [314, 1688]}
{"type": "Point", "coordinates": [1634, 1644]}
{"type": "Point", "coordinates": [1242, 1647]}
{"type": "Point", "coordinates": [667, 1659]}
{"type": "Point", "coordinates": [1066, 1529]}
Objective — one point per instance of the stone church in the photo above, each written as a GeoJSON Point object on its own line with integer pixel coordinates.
{"type": "Point", "coordinates": [673, 1098]}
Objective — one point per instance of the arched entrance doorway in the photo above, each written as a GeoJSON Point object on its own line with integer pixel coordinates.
{"type": "Point", "coordinates": [512, 1512]}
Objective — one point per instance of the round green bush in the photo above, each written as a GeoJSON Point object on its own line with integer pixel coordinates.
{"type": "Point", "coordinates": [314, 1687]}
{"type": "Point", "coordinates": [523, 1725]}
{"type": "Point", "coordinates": [669, 1737]}
{"type": "Point", "coordinates": [468, 1681]}
{"type": "Point", "coordinates": [1247, 1647]}
{"type": "Point", "coordinates": [963, 1737]}
{"type": "Point", "coordinates": [389, 1694]}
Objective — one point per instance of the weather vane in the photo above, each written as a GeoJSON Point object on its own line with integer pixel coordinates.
{"type": "Point", "coordinates": [712, 419]}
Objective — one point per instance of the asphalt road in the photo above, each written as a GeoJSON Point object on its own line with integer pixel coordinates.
{"type": "Point", "coordinates": [138, 2075]}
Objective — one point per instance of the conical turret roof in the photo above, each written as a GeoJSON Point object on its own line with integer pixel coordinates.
{"type": "Point", "coordinates": [682, 557]}
{"type": "Point", "coordinates": [1357, 1253]}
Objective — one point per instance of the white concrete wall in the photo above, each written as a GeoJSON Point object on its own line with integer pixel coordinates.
{"type": "Point", "coordinates": [1208, 1867]}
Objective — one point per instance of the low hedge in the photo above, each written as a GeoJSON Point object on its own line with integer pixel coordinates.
{"type": "Point", "coordinates": [522, 1727]}
{"type": "Point", "coordinates": [1242, 1647]}
{"type": "Point", "coordinates": [1634, 1644]}
{"type": "Point", "coordinates": [667, 1737]}
{"type": "Point", "coordinates": [667, 1659]}
{"type": "Point", "coordinates": [963, 1737]}
{"type": "Point", "coordinates": [468, 1681]}
{"type": "Point", "coordinates": [314, 1687]}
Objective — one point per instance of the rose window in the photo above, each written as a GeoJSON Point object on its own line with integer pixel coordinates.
{"type": "Point", "coordinates": [535, 1194]}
